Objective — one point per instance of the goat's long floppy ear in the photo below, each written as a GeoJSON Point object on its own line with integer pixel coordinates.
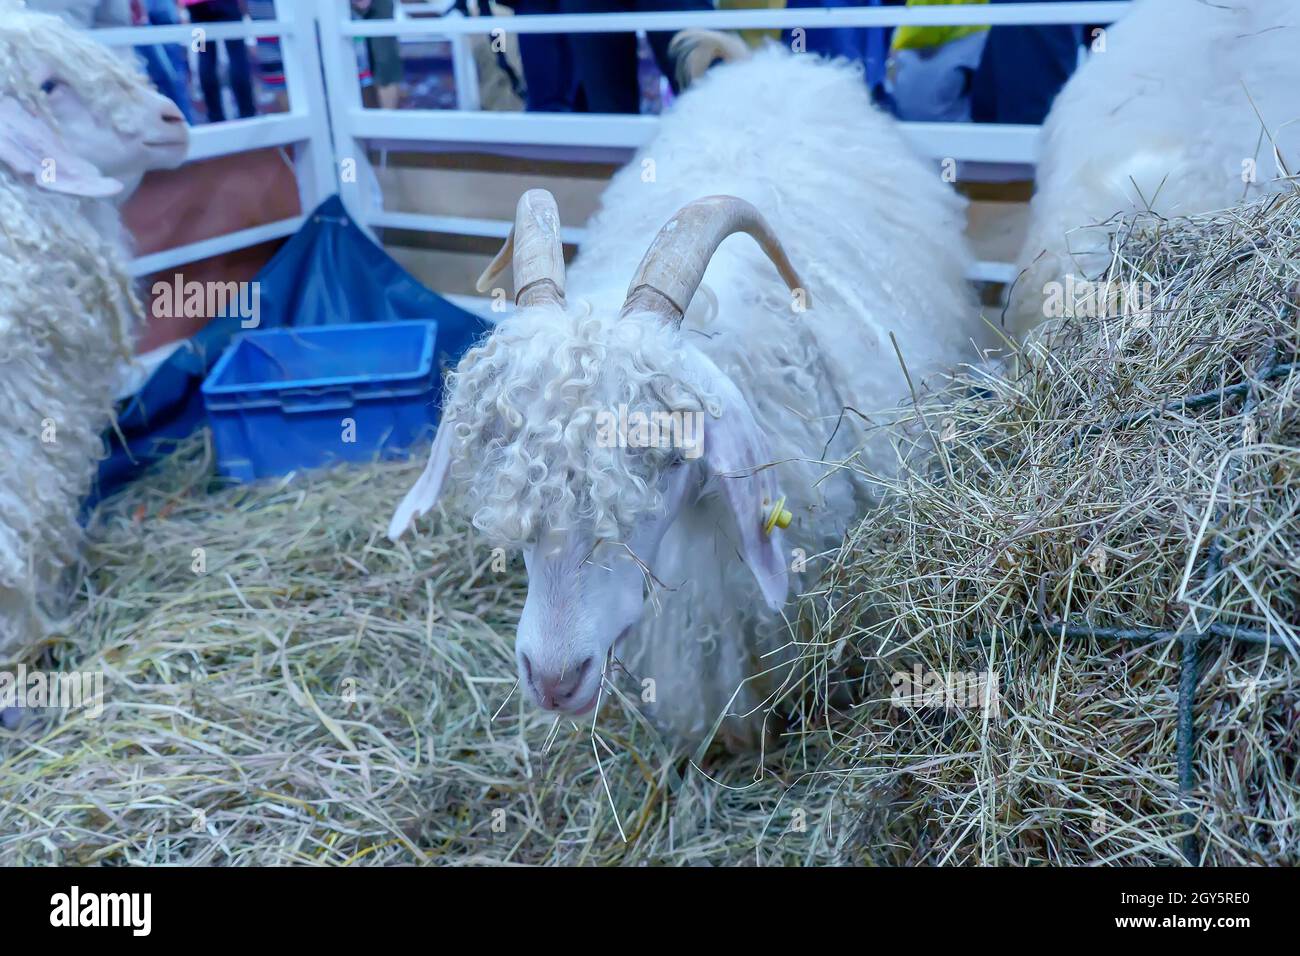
{"type": "Point", "coordinates": [32, 150]}
{"type": "Point", "coordinates": [424, 493]}
{"type": "Point", "coordinates": [736, 453]}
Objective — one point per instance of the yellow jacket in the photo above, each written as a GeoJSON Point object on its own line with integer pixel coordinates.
{"type": "Point", "coordinates": [913, 38]}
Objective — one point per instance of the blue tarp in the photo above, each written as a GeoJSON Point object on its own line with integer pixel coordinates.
{"type": "Point", "coordinates": [329, 272]}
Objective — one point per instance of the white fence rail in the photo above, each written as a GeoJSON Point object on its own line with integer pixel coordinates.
{"type": "Point", "coordinates": [329, 130]}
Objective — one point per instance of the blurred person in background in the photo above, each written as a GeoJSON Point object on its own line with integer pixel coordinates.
{"type": "Point", "coordinates": [757, 37]}
{"type": "Point", "coordinates": [851, 43]}
{"type": "Point", "coordinates": [606, 64]}
{"type": "Point", "coordinates": [385, 53]}
{"type": "Point", "coordinates": [167, 64]}
{"type": "Point", "coordinates": [550, 82]}
{"type": "Point", "coordinates": [866, 45]}
{"type": "Point", "coordinates": [1022, 69]}
{"type": "Point", "coordinates": [594, 72]}
{"type": "Point", "coordinates": [268, 61]}
{"type": "Point", "coordinates": [1006, 74]}
{"type": "Point", "coordinates": [931, 69]}
{"type": "Point", "coordinates": [241, 74]}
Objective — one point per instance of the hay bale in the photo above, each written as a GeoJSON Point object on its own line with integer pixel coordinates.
{"type": "Point", "coordinates": [313, 693]}
{"type": "Point", "coordinates": [1071, 520]}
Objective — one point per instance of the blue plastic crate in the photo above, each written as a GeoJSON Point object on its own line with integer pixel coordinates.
{"type": "Point", "coordinates": [284, 399]}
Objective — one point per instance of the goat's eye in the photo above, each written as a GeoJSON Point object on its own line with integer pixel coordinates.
{"type": "Point", "coordinates": [50, 85]}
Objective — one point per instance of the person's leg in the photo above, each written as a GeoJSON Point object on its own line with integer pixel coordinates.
{"type": "Point", "coordinates": [165, 78]}
{"type": "Point", "coordinates": [209, 81]}
{"type": "Point", "coordinates": [166, 63]}
{"type": "Point", "coordinates": [164, 13]}
{"type": "Point", "coordinates": [241, 77]}
{"type": "Point", "coordinates": [385, 58]}
{"type": "Point", "coordinates": [548, 63]}
{"type": "Point", "coordinates": [241, 80]}
{"type": "Point", "coordinates": [605, 63]}
{"type": "Point", "coordinates": [241, 72]}
{"type": "Point", "coordinates": [1021, 71]}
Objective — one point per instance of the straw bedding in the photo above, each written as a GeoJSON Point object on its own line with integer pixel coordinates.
{"type": "Point", "coordinates": [319, 695]}
{"type": "Point", "coordinates": [285, 685]}
{"type": "Point", "coordinates": [1136, 470]}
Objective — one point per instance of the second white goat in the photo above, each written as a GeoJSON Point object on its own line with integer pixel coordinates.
{"type": "Point", "coordinates": [1187, 109]}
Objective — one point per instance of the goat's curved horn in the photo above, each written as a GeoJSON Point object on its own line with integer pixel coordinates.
{"type": "Point", "coordinates": [534, 247]}
{"type": "Point", "coordinates": [674, 264]}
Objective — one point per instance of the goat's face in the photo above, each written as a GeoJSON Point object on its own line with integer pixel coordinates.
{"type": "Point", "coordinates": [74, 117]}
{"type": "Point", "coordinates": [584, 593]}
{"type": "Point", "coordinates": [554, 427]}
{"type": "Point", "coordinates": [156, 137]}
{"type": "Point", "coordinates": [540, 433]}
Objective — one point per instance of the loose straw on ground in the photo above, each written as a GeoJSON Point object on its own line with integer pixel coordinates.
{"type": "Point", "coordinates": [285, 685]}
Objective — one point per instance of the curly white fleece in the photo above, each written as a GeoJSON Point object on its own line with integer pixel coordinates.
{"type": "Point", "coordinates": [525, 407]}
{"type": "Point", "coordinates": [67, 309]}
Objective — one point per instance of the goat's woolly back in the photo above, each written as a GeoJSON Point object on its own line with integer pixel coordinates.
{"type": "Point", "coordinates": [1179, 112]}
{"type": "Point", "coordinates": [66, 315]}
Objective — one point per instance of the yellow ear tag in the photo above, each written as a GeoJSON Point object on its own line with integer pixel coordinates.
{"type": "Point", "coordinates": [778, 518]}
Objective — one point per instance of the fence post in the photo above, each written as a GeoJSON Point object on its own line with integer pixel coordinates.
{"type": "Point", "coordinates": [314, 165]}
{"type": "Point", "coordinates": [344, 106]}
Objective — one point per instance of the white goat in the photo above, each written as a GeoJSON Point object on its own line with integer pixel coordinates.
{"type": "Point", "coordinates": [526, 432]}
{"type": "Point", "coordinates": [1175, 114]}
{"type": "Point", "coordinates": [78, 130]}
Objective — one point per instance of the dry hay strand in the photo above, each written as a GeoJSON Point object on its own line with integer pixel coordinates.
{"type": "Point", "coordinates": [285, 685]}
{"type": "Point", "coordinates": [1132, 469]}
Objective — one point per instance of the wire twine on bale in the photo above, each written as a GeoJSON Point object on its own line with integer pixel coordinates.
{"type": "Point", "coordinates": [1110, 523]}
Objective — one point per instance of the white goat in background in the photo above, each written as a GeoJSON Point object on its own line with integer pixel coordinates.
{"type": "Point", "coordinates": [1179, 113]}
{"type": "Point", "coordinates": [78, 130]}
{"type": "Point", "coordinates": [876, 235]}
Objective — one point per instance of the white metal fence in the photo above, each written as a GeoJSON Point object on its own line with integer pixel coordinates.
{"type": "Point", "coordinates": [328, 128]}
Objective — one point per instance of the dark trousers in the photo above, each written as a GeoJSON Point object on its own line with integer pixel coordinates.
{"type": "Point", "coordinates": [549, 77]}
{"type": "Point", "coordinates": [597, 71]}
{"type": "Point", "coordinates": [167, 65]}
{"type": "Point", "coordinates": [241, 75]}
{"type": "Point", "coordinates": [1021, 71]}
